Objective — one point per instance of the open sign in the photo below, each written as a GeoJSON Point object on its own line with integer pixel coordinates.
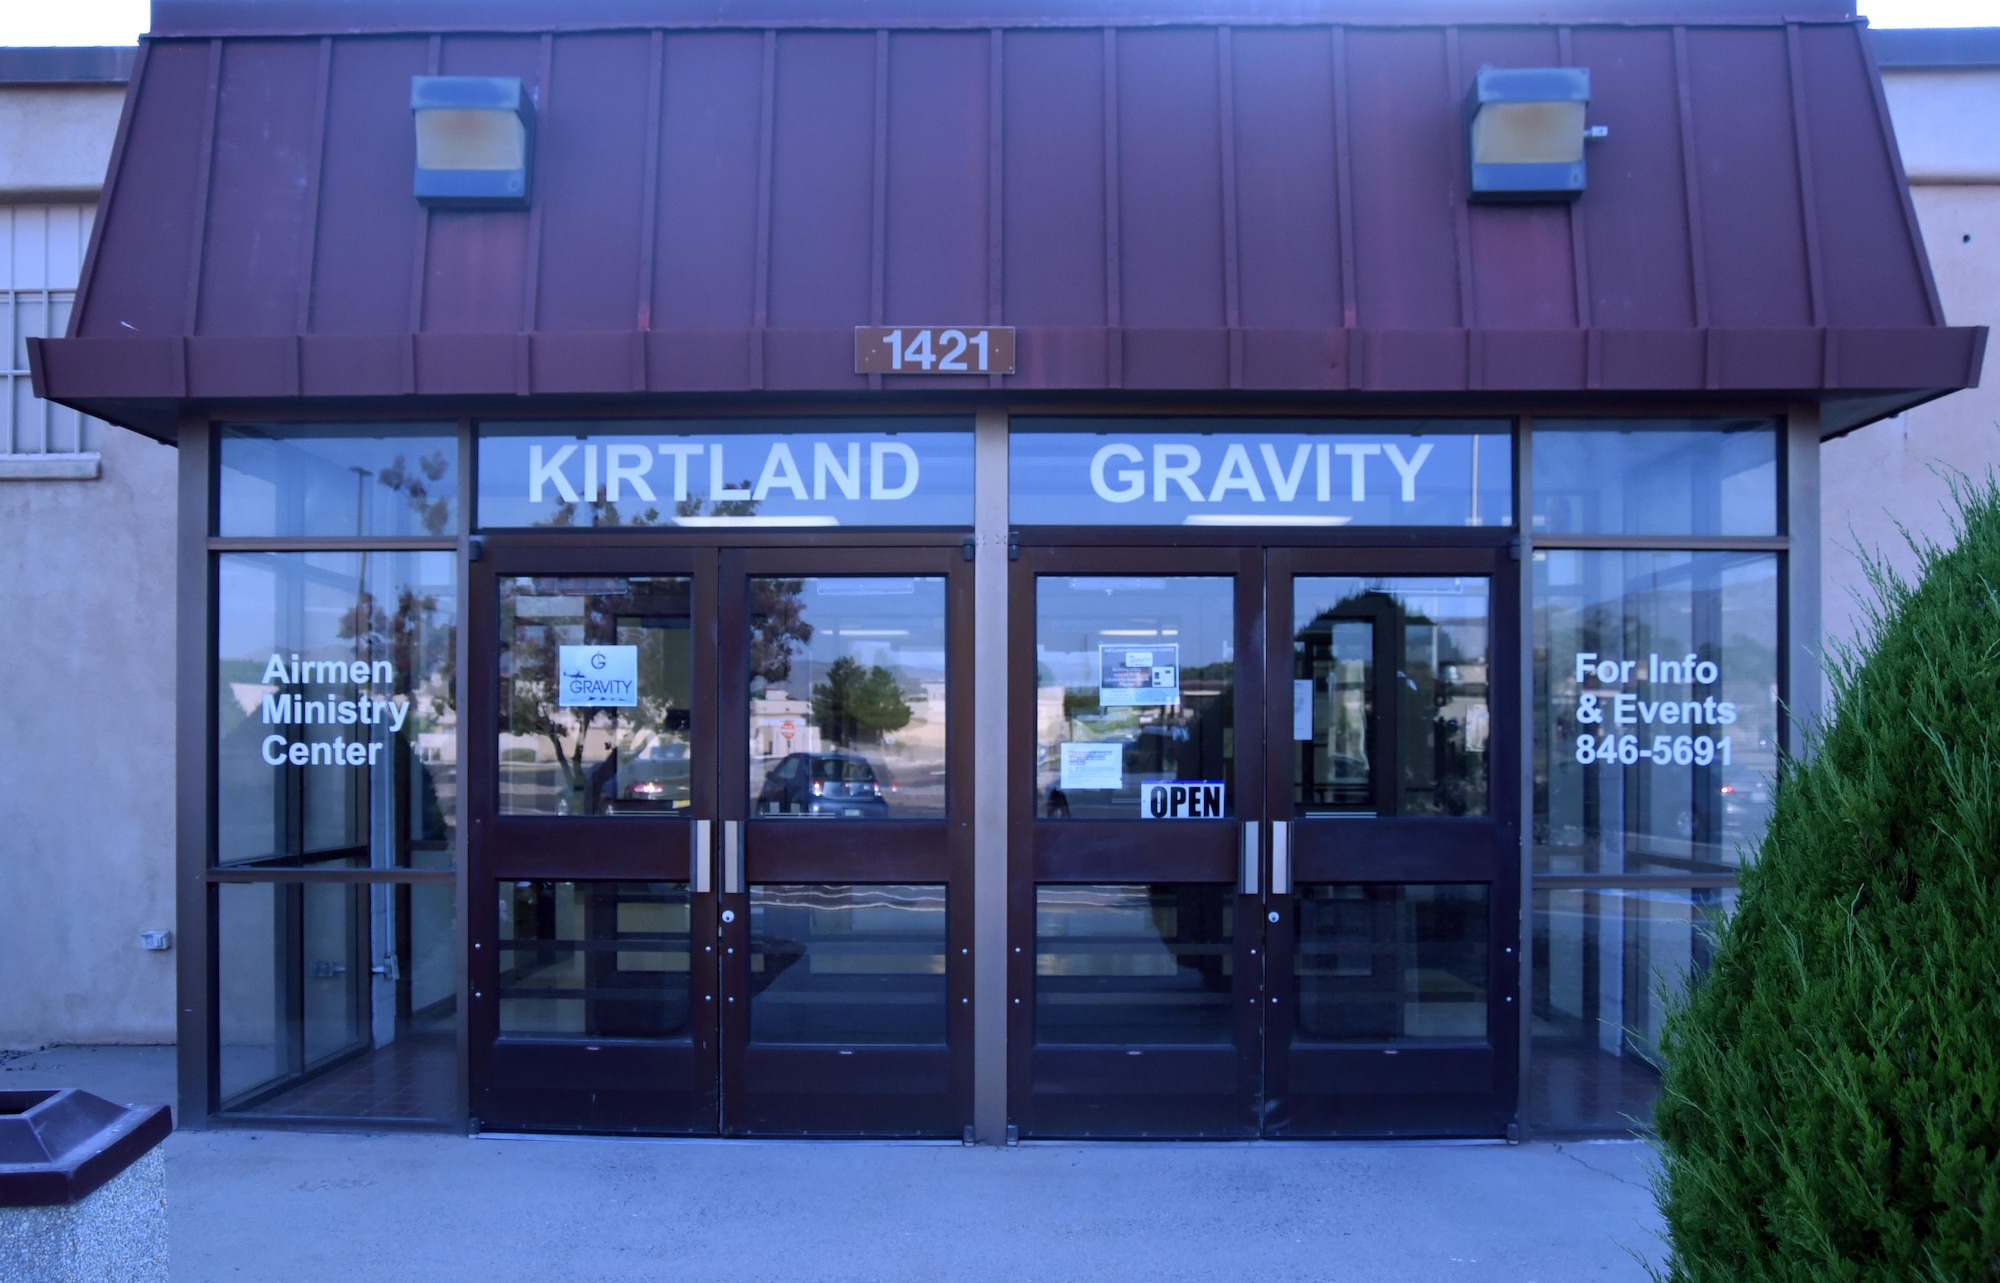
{"type": "Point", "coordinates": [1189, 800]}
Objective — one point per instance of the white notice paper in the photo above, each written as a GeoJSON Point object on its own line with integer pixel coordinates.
{"type": "Point", "coordinates": [1093, 766]}
{"type": "Point", "coordinates": [1133, 677]}
{"type": "Point", "coordinates": [1302, 709]}
{"type": "Point", "coordinates": [598, 676]}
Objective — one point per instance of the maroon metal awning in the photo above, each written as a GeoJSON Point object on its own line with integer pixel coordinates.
{"type": "Point", "coordinates": [1158, 197]}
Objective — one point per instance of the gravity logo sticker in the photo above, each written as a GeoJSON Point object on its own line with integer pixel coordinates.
{"type": "Point", "coordinates": [599, 676]}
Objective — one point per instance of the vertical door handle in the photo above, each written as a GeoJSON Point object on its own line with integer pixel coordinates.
{"type": "Point", "coordinates": [1252, 862]}
{"type": "Point", "coordinates": [1281, 857]}
{"type": "Point", "coordinates": [732, 857]}
{"type": "Point", "coordinates": [701, 857]}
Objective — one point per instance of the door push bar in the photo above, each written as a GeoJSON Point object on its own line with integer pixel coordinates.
{"type": "Point", "coordinates": [701, 865]}
{"type": "Point", "coordinates": [1281, 857]}
{"type": "Point", "coordinates": [732, 857]}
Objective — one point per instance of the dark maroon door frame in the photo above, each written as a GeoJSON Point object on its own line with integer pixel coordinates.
{"type": "Point", "coordinates": [715, 1081]}
{"type": "Point", "coordinates": [1263, 1083]}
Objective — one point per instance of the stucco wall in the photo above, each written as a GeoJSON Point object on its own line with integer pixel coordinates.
{"type": "Point", "coordinates": [1892, 472]}
{"type": "Point", "coordinates": [55, 140]}
{"type": "Point", "coordinates": [86, 751]}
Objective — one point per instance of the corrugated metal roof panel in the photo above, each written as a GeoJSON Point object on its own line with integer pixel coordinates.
{"type": "Point", "coordinates": [1202, 206]}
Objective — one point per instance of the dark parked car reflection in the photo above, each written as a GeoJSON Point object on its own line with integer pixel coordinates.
{"type": "Point", "coordinates": [655, 779]}
{"type": "Point", "coordinates": [842, 785]}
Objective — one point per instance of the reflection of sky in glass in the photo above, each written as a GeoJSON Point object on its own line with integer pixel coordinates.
{"type": "Point", "coordinates": [740, 473]}
{"type": "Point", "coordinates": [384, 479]}
{"type": "Point", "coordinates": [1248, 472]}
{"type": "Point", "coordinates": [1656, 477]}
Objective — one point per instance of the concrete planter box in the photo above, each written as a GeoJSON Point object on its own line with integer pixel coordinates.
{"type": "Point", "coordinates": [83, 1189]}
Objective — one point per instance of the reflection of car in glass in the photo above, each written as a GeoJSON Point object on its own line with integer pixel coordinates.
{"type": "Point", "coordinates": [823, 784]}
{"type": "Point", "coordinates": [656, 778]}
{"type": "Point", "coordinates": [1746, 801]}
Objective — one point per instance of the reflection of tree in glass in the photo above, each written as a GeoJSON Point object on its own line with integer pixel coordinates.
{"type": "Point", "coordinates": [435, 513]}
{"type": "Point", "coordinates": [532, 671]}
{"type": "Point", "coordinates": [602, 513]}
{"type": "Point", "coordinates": [418, 643]}
{"type": "Point", "coordinates": [857, 705]}
{"type": "Point", "coordinates": [692, 505]}
{"type": "Point", "coordinates": [777, 627]}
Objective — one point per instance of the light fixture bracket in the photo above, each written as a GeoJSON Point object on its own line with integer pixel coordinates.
{"type": "Point", "coordinates": [475, 141]}
{"type": "Point", "coordinates": [1524, 133]}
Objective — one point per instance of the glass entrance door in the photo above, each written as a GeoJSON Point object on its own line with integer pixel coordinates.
{"type": "Point", "coordinates": [845, 887]}
{"type": "Point", "coordinates": [716, 886]}
{"type": "Point", "coordinates": [1393, 858]}
{"type": "Point", "coordinates": [1136, 949]}
{"type": "Point", "coordinates": [1264, 882]}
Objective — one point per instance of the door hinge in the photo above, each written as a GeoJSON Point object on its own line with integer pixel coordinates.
{"type": "Point", "coordinates": [475, 548]}
{"type": "Point", "coordinates": [1517, 547]}
{"type": "Point", "coordinates": [970, 545]}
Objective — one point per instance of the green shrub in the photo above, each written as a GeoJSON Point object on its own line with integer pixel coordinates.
{"type": "Point", "coordinates": [1830, 1108]}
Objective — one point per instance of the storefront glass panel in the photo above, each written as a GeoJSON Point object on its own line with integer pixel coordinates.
{"type": "Point", "coordinates": [1251, 472]}
{"type": "Point", "coordinates": [595, 960]}
{"type": "Point", "coordinates": [337, 1000]}
{"type": "Point", "coordinates": [336, 725]}
{"type": "Point", "coordinates": [742, 473]}
{"type": "Point", "coordinates": [1391, 964]}
{"type": "Point", "coordinates": [596, 688]}
{"type": "Point", "coordinates": [847, 698]}
{"type": "Point", "coordinates": [847, 964]}
{"type": "Point", "coordinates": [1656, 476]}
{"type": "Point", "coordinates": [1604, 961]}
{"type": "Point", "coordinates": [1134, 965]}
{"type": "Point", "coordinates": [379, 479]}
{"type": "Point", "coordinates": [1656, 709]}
{"type": "Point", "coordinates": [1390, 711]}
{"type": "Point", "coordinates": [1135, 687]}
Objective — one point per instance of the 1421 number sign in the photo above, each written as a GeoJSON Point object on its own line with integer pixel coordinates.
{"type": "Point", "coordinates": [933, 349]}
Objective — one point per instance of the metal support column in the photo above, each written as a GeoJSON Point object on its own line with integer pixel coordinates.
{"type": "Point", "coordinates": [989, 768]}
{"type": "Point", "coordinates": [194, 931]}
{"type": "Point", "coordinates": [1804, 681]}
{"type": "Point", "coordinates": [1524, 709]}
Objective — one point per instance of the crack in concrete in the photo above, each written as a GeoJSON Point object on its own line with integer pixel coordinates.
{"type": "Point", "coordinates": [1600, 1171]}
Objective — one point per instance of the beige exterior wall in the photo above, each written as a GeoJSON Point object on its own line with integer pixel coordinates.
{"type": "Point", "coordinates": [86, 751]}
{"type": "Point", "coordinates": [1891, 473]}
{"type": "Point", "coordinates": [86, 624]}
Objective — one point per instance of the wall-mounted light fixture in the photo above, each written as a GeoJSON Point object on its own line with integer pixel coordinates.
{"type": "Point", "coordinates": [1524, 133]}
{"type": "Point", "coordinates": [475, 141]}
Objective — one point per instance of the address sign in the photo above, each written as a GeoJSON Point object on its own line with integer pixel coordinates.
{"type": "Point", "coordinates": [933, 349]}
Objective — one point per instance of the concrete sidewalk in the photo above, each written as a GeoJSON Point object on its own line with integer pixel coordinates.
{"type": "Point", "coordinates": [288, 1205]}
